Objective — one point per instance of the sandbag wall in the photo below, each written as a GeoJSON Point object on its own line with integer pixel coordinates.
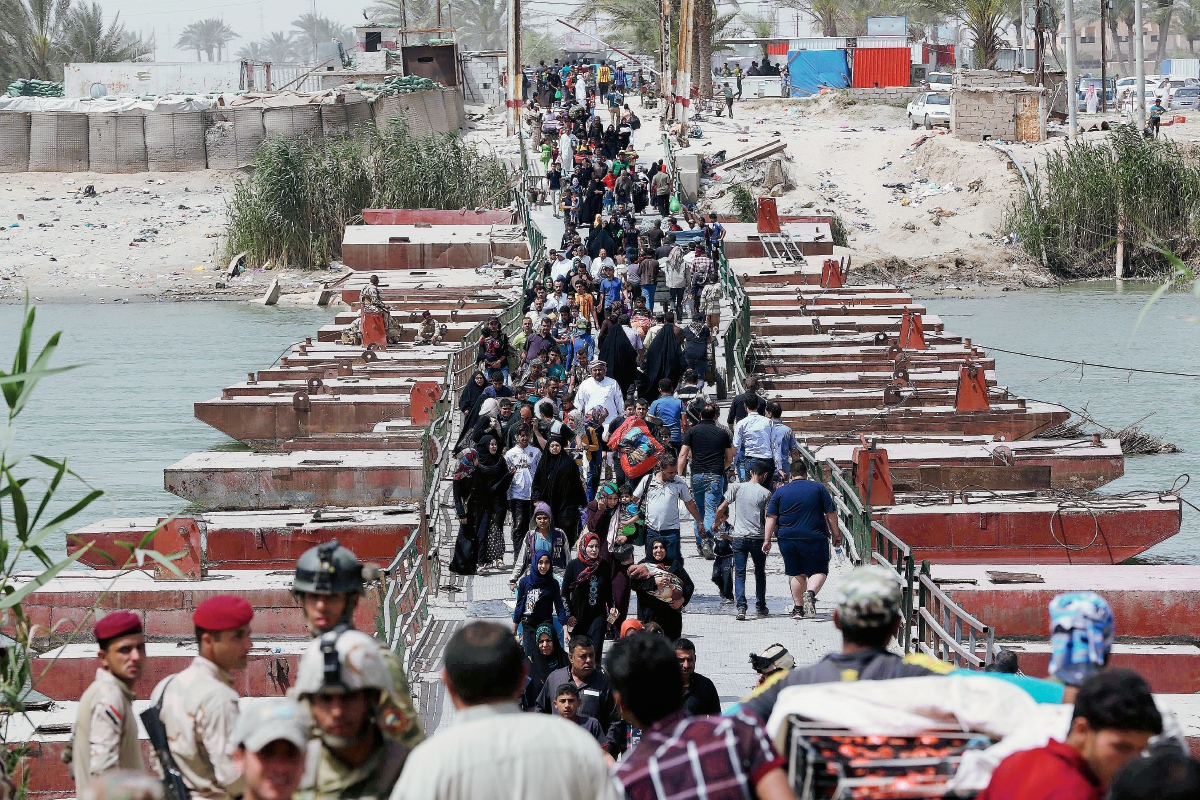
{"type": "Point", "coordinates": [220, 138]}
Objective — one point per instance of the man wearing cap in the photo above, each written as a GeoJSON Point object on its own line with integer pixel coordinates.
{"type": "Point", "coordinates": [868, 615]}
{"type": "Point", "coordinates": [200, 705]}
{"type": "Point", "coordinates": [346, 685]}
{"type": "Point", "coordinates": [329, 582]}
{"type": "Point", "coordinates": [269, 743]}
{"type": "Point", "coordinates": [106, 733]}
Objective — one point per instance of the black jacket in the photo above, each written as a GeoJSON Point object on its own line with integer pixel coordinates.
{"type": "Point", "coordinates": [596, 700]}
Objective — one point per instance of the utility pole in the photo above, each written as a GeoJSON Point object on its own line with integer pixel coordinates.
{"type": "Point", "coordinates": [665, 91]}
{"type": "Point", "coordinates": [439, 17]}
{"type": "Point", "coordinates": [1072, 78]}
{"type": "Point", "coordinates": [1105, 6]}
{"type": "Point", "coordinates": [515, 73]}
{"type": "Point", "coordinates": [683, 66]}
{"type": "Point", "coordinates": [1039, 31]}
{"type": "Point", "coordinates": [1139, 68]}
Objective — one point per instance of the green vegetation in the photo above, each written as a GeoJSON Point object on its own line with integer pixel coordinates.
{"type": "Point", "coordinates": [1146, 192]}
{"type": "Point", "coordinates": [839, 231]}
{"type": "Point", "coordinates": [744, 204]}
{"type": "Point", "coordinates": [295, 206]}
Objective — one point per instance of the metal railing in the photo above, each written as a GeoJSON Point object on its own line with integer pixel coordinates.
{"type": "Point", "coordinates": [737, 335]}
{"type": "Point", "coordinates": [947, 632]}
{"type": "Point", "coordinates": [415, 573]}
{"type": "Point", "coordinates": [888, 551]}
{"type": "Point", "coordinates": [854, 516]}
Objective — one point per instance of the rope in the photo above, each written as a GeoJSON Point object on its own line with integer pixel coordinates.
{"type": "Point", "coordinates": [1090, 364]}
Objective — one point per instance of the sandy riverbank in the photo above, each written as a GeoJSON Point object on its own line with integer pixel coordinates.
{"type": "Point", "coordinates": [141, 238]}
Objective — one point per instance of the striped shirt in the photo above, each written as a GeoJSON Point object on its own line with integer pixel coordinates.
{"type": "Point", "coordinates": [682, 757]}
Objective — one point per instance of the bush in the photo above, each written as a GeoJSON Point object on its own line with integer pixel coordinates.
{"type": "Point", "coordinates": [294, 208]}
{"type": "Point", "coordinates": [1144, 190]}
{"type": "Point", "coordinates": [839, 232]}
{"type": "Point", "coordinates": [744, 204]}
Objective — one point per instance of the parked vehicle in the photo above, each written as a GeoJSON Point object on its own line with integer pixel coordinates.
{"type": "Point", "coordinates": [1185, 98]}
{"type": "Point", "coordinates": [929, 109]}
{"type": "Point", "coordinates": [1084, 83]}
{"type": "Point", "coordinates": [939, 81]}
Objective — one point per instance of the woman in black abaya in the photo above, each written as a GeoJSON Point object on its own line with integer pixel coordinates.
{"type": "Point", "coordinates": [472, 392]}
{"type": "Point", "coordinates": [664, 359]}
{"type": "Point", "coordinates": [558, 483]}
{"type": "Point", "coordinates": [652, 591]}
{"type": "Point", "coordinates": [619, 354]}
{"type": "Point", "coordinates": [492, 478]}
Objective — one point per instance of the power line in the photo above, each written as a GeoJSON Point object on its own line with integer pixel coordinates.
{"type": "Point", "coordinates": [1091, 364]}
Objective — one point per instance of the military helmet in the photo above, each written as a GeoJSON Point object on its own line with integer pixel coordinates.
{"type": "Point", "coordinates": [869, 597]}
{"type": "Point", "coordinates": [328, 568]}
{"type": "Point", "coordinates": [343, 661]}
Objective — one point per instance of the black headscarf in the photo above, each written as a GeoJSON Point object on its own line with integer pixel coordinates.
{"type": "Point", "coordinates": [664, 359]}
{"type": "Point", "coordinates": [557, 482]}
{"type": "Point", "coordinates": [492, 476]}
{"type": "Point", "coordinates": [619, 354]}
{"type": "Point", "coordinates": [471, 393]}
{"type": "Point", "coordinates": [600, 238]}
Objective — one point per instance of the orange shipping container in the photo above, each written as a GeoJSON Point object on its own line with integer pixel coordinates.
{"type": "Point", "coordinates": [879, 67]}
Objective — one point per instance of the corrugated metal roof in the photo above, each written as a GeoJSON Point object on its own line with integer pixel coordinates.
{"type": "Point", "coordinates": [819, 43]}
{"type": "Point", "coordinates": [876, 42]}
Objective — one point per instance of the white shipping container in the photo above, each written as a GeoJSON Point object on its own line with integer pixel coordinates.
{"type": "Point", "coordinates": [818, 43]}
{"type": "Point", "coordinates": [151, 77]}
{"type": "Point", "coordinates": [1185, 68]}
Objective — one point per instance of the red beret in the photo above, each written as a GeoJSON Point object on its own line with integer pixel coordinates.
{"type": "Point", "coordinates": [222, 613]}
{"type": "Point", "coordinates": [117, 623]}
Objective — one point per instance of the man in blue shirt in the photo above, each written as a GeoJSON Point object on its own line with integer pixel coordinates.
{"type": "Point", "coordinates": [610, 288]}
{"type": "Point", "coordinates": [783, 442]}
{"type": "Point", "coordinates": [752, 439]}
{"type": "Point", "coordinates": [802, 517]}
{"type": "Point", "coordinates": [669, 409]}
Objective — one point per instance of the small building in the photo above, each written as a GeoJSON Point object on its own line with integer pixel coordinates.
{"type": "Point", "coordinates": [482, 73]}
{"type": "Point", "coordinates": [988, 104]}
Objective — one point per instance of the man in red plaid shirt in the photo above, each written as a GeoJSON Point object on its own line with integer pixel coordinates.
{"type": "Point", "coordinates": [681, 757]}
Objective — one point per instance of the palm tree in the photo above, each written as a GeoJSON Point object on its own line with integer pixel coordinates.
{"type": "Point", "coordinates": [86, 39]}
{"type": "Point", "coordinates": [483, 24]}
{"type": "Point", "coordinates": [282, 48]}
{"type": "Point", "coordinates": [631, 22]}
{"type": "Point", "coordinates": [217, 34]}
{"type": "Point", "coordinates": [826, 13]}
{"type": "Point", "coordinates": [983, 19]}
{"type": "Point", "coordinates": [208, 36]}
{"type": "Point", "coordinates": [405, 13]}
{"type": "Point", "coordinates": [316, 28]}
{"type": "Point", "coordinates": [29, 38]}
{"type": "Point", "coordinates": [252, 51]}
{"type": "Point", "coordinates": [191, 39]}
{"type": "Point", "coordinates": [1188, 20]}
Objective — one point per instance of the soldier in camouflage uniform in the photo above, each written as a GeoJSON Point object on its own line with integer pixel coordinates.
{"type": "Point", "coordinates": [199, 706]}
{"type": "Point", "coordinates": [868, 615]}
{"type": "Point", "coordinates": [347, 686]}
{"type": "Point", "coordinates": [106, 734]}
{"type": "Point", "coordinates": [329, 582]}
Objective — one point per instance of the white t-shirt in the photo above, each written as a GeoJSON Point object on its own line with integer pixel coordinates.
{"type": "Point", "coordinates": [525, 463]}
{"type": "Point", "coordinates": [560, 268]}
{"type": "Point", "coordinates": [662, 501]}
{"type": "Point", "coordinates": [607, 393]}
{"type": "Point", "coordinates": [598, 264]}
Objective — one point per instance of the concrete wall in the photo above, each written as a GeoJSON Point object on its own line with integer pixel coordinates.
{"type": "Point", "coordinates": [988, 78]}
{"type": "Point", "coordinates": [144, 77]}
{"type": "Point", "coordinates": [998, 113]}
{"type": "Point", "coordinates": [481, 76]}
{"type": "Point", "coordinates": [889, 95]}
{"type": "Point", "coordinates": [220, 138]}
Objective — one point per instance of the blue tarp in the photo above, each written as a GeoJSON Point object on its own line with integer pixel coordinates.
{"type": "Point", "coordinates": [813, 70]}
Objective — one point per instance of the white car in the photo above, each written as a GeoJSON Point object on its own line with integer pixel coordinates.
{"type": "Point", "coordinates": [929, 109]}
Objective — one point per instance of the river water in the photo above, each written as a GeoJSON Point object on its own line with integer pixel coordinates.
{"type": "Point", "coordinates": [1095, 322]}
{"type": "Point", "coordinates": [127, 414]}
